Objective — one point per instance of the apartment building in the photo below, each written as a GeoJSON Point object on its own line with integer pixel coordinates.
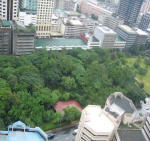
{"type": "Point", "coordinates": [44, 17]}
{"type": "Point", "coordinates": [105, 36]}
{"type": "Point", "coordinates": [5, 37]}
{"type": "Point", "coordinates": [9, 9]}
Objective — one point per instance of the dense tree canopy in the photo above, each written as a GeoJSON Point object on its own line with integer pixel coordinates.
{"type": "Point", "coordinates": [30, 85]}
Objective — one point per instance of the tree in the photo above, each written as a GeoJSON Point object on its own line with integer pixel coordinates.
{"type": "Point", "coordinates": [71, 114]}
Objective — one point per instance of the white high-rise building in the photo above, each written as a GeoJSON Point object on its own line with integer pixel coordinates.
{"type": "Point", "coordinates": [9, 9]}
{"type": "Point", "coordinates": [44, 16]}
{"type": "Point", "coordinates": [146, 7]}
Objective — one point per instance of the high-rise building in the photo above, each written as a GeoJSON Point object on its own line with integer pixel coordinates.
{"type": "Point", "coordinates": [30, 5]}
{"type": "Point", "coordinates": [146, 7]}
{"type": "Point", "coordinates": [145, 21]}
{"type": "Point", "coordinates": [129, 10]}
{"type": "Point", "coordinates": [9, 9]}
{"type": "Point", "coordinates": [44, 16]}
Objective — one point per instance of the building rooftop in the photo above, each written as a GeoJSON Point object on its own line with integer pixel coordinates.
{"type": "Point", "coordinates": [130, 135]}
{"type": "Point", "coordinates": [57, 42]}
{"type": "Point", "coordinates": [106, 30]}
{"type": "Point", "coordinates": [127, 29]}
{"type": "Point", "coordinates": [122, 102]}
{"type": "Point", "coordinates": [75, 22]}
{"type": "Point", "coordinates": [141, 32]}
{"type": "Point", "coordinates": [6, 23]}
{"type": "Point", "coordinates": [97, 121]}
{"type": "Point", "coordinates": [20, 132]}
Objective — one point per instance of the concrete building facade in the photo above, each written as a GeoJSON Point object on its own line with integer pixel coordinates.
{"type": "Point", "coordinates": [106, 36]}
{"type": "Point", "coordinates": [129, 10]}
{"type": "Point", "coordinates": [9, 9]}
{"type": "Point", "coordinates": [95, 125]}
{"type": "Point", "coordinates": [27, 19]}
{"type": "Point", "coordinates": [110, 21]}
{"type": "Point", "coordinates": [128, 34]}
{"type": "Point", "coordinates": [145, 21]}
{"type": "Point", "coordinates": [5, 37]}
{"type": "Point", "coordinates": [44, 17]}
{"type": "Point", "coordinates": [74, 28]}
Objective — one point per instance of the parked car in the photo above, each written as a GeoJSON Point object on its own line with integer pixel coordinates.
{"type": "Point", "coordinates": [75, 132]}
{"type": "Point", "coordinates": [51, 136]}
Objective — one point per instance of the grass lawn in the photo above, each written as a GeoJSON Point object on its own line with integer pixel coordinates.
{"type": "Point", "coordinates": [122, 126]}
{"type": "Point", "coordinates": [51, 125]}
{"type": "Point", "coordinates": [145, 79]}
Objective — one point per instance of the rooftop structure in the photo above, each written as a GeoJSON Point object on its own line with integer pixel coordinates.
{"type": "Point", "coordinates": [122, 106]}
{"type": "Point", "coordinates": [95, 125]}
{"type": "Point", "coordinates": [130, 135]}
{"type": "Point", "coordinates": [60, 43]}
{"type": "Point", "coordinates": [20, 132]}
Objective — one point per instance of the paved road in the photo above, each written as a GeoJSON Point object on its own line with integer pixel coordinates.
{"type": "Point", "coordinates": [64, 135]}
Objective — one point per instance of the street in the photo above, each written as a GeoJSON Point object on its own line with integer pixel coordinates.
{"type": "Point", "coordinates": [64, 135]}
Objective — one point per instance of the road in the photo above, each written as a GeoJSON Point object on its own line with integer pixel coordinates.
{"type": "Point", "coordinates": [64, 135]}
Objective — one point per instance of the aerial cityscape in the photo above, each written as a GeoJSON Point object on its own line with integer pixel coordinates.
{"type": "Point", "coordinates": [75, 70]}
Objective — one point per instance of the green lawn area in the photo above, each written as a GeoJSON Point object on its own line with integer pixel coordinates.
{"type": "Point", "coordinates": [145, 79]}
{"type": "Point", "coordinates": [122, 126]}
{"type": "Point", "coordinates": [51, 125]}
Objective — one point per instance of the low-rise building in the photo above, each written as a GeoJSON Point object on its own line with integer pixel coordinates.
{"type": "Point", "coordinates": [23, 40]}
{"type": "Point", "coordinates": [74, 28]}
{"type": "Point", "coordinates": [141, 37]}
{"type": "Point", "coordinates": [106, 36]}
{"type": "Point", "coordinates": [5, 37]}
{"type": "Point", "coordinates": [110, 21]}
{"type": "Point", "coordinates": [128, 34]}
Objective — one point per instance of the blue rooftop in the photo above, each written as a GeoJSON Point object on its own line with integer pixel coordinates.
{"type": "Point", "coordinates": [15, 133]}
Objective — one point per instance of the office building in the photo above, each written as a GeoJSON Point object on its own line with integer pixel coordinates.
{"type": "Point", "coordinates": [105, 36]}
{"type": "Point", "coordinates": [44, 16]}
{"type": "Point", "coordinates": [5, 37]}
{"type": "Point", "coordinates": [18, 131]}
{"type": "Point", "coordinates": [129, 10]}
{"type": "Point", "coordinates": [145, 21]}
{"type": "Point", "coordinates": [27, 18]}
{"type": "Point", "coordinates": [110, 21]}
{"type": "Point", "coordinates": [74, 28]}
{"type": "Point", "coordinates": [128, 34]}
{"type": "Point", "coordinates": [95, 124]}
{"type": "Point", "coordinates": [69, 5]}
{"type": "Point", "coordinates": [9, 9]}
